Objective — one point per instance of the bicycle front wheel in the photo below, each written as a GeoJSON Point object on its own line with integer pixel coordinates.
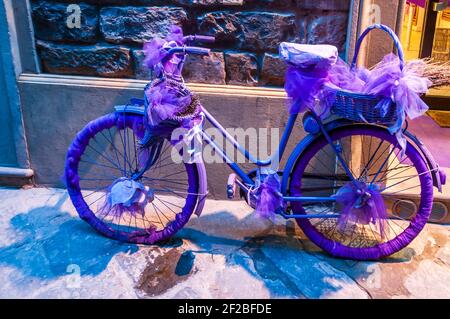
{"type": "Point", "coordinates": [106, 152]}
{"type": "Point", "coordinates": [374, 157]}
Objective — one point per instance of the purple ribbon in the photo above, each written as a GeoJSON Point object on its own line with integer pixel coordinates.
{"type": "Point", "coordinates": [361, 204]}
{"type": "Point", "coordinates": [305, 87]}
{"type": "Point", "coordinates": [402, 87]}
{"type": "Point", "coordinates": [269, 197]}
{"type": "Point", "coordinates": [155, 50]}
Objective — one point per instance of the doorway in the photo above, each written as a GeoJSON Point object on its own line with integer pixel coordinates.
{"type": "Point", "coordinates": [426, 34]}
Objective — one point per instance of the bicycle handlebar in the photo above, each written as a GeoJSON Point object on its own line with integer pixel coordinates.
{"type": "Point", "coordinates": [189, 50]}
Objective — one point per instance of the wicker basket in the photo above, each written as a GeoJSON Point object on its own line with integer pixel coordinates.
{"type": "Point", "coordinates": [360, 107]}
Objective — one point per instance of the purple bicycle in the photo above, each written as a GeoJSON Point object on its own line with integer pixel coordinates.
{"type": "Point", "coordinates": [123, 180]}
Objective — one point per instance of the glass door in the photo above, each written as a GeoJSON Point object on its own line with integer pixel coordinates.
{"type": "Point", "coordinates": [426, 34]}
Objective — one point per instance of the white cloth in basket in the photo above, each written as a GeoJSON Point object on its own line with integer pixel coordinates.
{"type": "Point", "coordinates": [309, 55]}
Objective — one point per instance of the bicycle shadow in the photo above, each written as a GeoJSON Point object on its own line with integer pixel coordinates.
{"type": "Point", "coordinates": [52, 242]}
{"type": "Point", "coordinates": [284, 259]}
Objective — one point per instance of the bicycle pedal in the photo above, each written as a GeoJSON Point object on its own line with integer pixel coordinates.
{"type": "Point", "coordinates": [231, 186]}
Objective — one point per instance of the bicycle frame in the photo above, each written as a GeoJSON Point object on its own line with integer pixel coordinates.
{"type": "Point", "coordinates": [260, 163]}
{"type": "Point", "coordinates": [264, 163]}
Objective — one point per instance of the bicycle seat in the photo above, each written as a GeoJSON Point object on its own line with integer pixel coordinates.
{"type": "Point", "coordinates": [309, 55]}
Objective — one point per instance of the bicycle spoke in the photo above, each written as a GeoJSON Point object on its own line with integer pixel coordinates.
{"type": "Point", "coordinates": [113, 145]}
{"type": "Point", "coordinates": [368, 165]}
{"type": "Point", "coordinates": [97, 200]}
{"type": "Point", "coordinates": [381, 167]}
{"type": "Point", "coordinates": [114, 164]}
{"type": "Point", "coordinates": [104, 155]}
{"type": "Point", "coordinates": [408, 179]}
{"type": "Point", "coordinates": [157, 215]}
{"type": "Point", "coordinates": [158, 209]}
{"type": "Point", "coordinates": [166, 180]}
{"type": "Point", "coordinates": [98, 164]}
{"type": "Point", "coordinates": [394, 169]}
{"type": "Point", "coordinates": [111, 177]}
{"type": "Point", "coordinates": [166, 205]}
{"type": "Point", "coordinates": [125, 158]}
{"type": "Point", "coordinates": [170, 203]}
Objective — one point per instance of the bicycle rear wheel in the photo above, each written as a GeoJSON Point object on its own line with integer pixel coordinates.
{"type": "Point", "coordinates": [106, 152]}
{"type": "Point", "coordinates": [376, 160]}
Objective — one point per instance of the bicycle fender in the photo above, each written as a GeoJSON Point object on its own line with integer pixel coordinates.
{"type": "Point", "coordinates": [439, 177]}
{"type": "Point", "coordinates": [202, 188]}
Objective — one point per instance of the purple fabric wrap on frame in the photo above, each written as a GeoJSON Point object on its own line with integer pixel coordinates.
{"type": "Point", "coordinates": [342, 77]}
{"type": "Point", "coordinates": [176, 35]}
{"type": "Point", "coordinates": [154, 52]}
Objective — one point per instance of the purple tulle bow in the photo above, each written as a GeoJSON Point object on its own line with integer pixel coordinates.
{"type": "Point", "coordinates": [344, 78]}
{"type": "Point", "coordinates": [403, 87]}
{"type": "Point", "coordinates": [154, 50]}
{"type": "Point", "coordinates": [269, 197]}
{"type": "Point", "coordinates": [175, 34]}
{"type": "Point", "coordinates": [362, 204]}
{"type": "Point", "coordinates": [125, 197]}
{"type": "Point", "coordinates": [305, 89]}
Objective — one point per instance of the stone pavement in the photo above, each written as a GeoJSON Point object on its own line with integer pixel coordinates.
{"type": "Point", "coordinates": [46, 251]}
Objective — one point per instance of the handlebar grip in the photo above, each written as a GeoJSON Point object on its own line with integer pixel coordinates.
{"type": "Point", "coordinates": [199, 38]}
{"type": "Point", "coordinates": [204, 39]}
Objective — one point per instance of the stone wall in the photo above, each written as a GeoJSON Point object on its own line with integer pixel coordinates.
{"type": "Point", "coordinates": [108, 40]}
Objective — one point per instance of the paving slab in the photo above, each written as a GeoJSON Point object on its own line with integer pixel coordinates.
{"type": "Point", "coordinates": [46, 251]}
